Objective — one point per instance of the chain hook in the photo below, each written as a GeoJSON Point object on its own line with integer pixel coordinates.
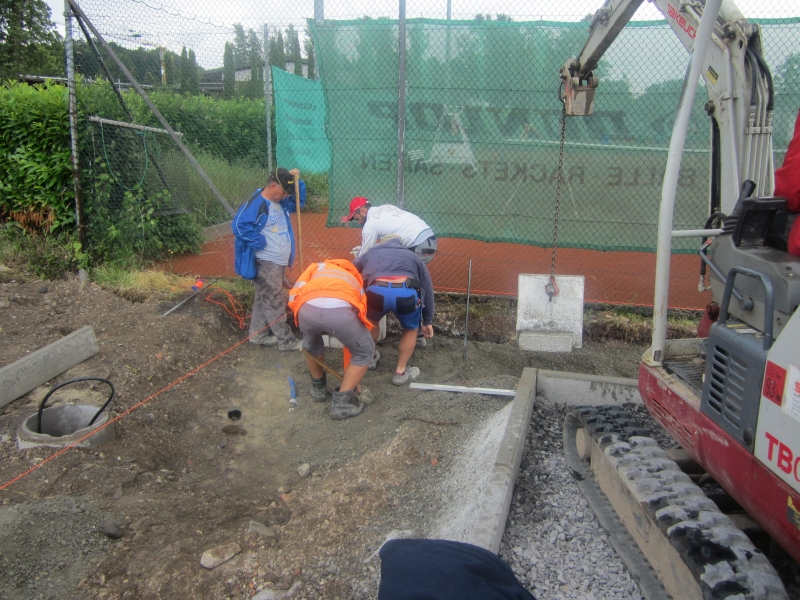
{"type": "Point", "coordinates": [551, 288]}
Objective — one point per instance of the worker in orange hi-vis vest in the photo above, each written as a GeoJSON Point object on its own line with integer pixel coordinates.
{"type": "Point", "coordinates": [329, 298]}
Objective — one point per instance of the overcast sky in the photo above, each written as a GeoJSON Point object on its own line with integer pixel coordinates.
{"type": "Point", "coordinates": [207, 25]}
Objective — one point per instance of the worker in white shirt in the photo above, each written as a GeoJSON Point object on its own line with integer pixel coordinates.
{"type": "Point", "coordinates": [388, 220]}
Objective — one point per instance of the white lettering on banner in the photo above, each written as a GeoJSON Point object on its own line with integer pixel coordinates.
{"type": "Point", "coordinates": [784, 458]}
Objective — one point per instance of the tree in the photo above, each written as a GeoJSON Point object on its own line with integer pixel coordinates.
{"type": "Point", "coordinates": [187, 69]}
{"type": "Point", "coordinates": [241, 51]}
{"type": "Point", "coordinates": [277, 55]}
{"type": "Point", "coordinates": [194, 74]}
{"type": "Point", "coordinates": [255, 87]}
{"type": "Point", "coordinates": [228, 73]}
{"type": "Point", "coordinates": [297, 58]}
{"type": "Point", "coordinates": [28, 41]}
{"type": "Point", "coordinates": [312, 72]}
{"type": "Point", "coordinates": [171, 68]}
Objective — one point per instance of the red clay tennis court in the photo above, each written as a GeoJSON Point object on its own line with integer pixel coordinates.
{"type": "Point", "coordinates": [611, 277]}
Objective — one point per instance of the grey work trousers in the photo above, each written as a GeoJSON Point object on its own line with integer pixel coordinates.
{"type": "Point", "coordinates": [269, 303]}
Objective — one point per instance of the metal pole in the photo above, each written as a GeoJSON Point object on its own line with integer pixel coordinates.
{"type": "Point", "coordinates": [73, 123]}
{"type": "Point", "coordinates": [655, 354]}
{"type": "Point", "coordinates": [447, 82]}
{"type": "Point", "coordinates": [268, 97]}
{"type": "Point", "coordinates": [401, 108]}
{"type": "Point", "coordinates": [466, 319]}
{"type": "Point", "coordinates": [78, 11]}
{"type": "Point", "coordinates": [319, 11]}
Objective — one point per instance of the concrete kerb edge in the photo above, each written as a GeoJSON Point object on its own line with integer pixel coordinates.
{"type": "Point", "coordinates": [580, 389]}
{"type": "Point", "coordinates": [490, 521]}
{"type": "Point", "coordinates": [31, 371]}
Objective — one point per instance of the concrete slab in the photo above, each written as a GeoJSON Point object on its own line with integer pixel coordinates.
{"type": "Point", "coordinates": [579, 389]}
{"type": "Point", "coordinates": [490, 522]}
{"type": "Point", "coordinates": [564, 314]}
{"type": "Point", "coordinates": [20, 377]}
{"type": "Point", "coordinates": [539, 341]}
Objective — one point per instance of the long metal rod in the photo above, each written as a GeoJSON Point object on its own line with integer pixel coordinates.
{"type": "Point", "coordinates": [703, 233]}
{"type": "Point", "coordinates": [73, 123]}
{"type": "Point", "coordinates": [96, 119]}
{"type": "Point", "coordinates": [78, 11]}
{"type": "Point", "coordinates": [460, 388]}
{"type": "Point", "coordinates": [401, 108]}
{"type": "Point", "coordinates": [268, 96]}
{"type": "Point", "coordinates": [466, 319]}
{"type": "Point", "coordinates": [655, 354]}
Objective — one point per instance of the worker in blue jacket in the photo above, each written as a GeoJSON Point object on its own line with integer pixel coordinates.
{"type": "Point", "coordinates": [263, 228]}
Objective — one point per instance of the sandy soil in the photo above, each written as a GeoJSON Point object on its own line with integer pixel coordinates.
{"type": "Point", "coordinates": [181, 478]}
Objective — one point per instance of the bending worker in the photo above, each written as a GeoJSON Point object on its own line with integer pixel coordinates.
{"type": "Point", "coordinates": [328, 298]}
{"type": "Point", "coordinates": [380, 221]}
{"type": "Point", "coordinates": [398, 281]}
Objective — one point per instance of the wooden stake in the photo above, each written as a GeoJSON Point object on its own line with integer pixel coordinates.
{"type": "Point", "coordinates": [323, 365]}
{"type": "Point", "coordinates": [296, 173]}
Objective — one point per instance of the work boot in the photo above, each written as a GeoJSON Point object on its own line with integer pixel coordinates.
{"type": "Point", "coordinates": [345, 405]}
{"type": "Point", "coordinates": [293, 345]}
{"type": "Point", "coordinates": [264, 339]}
{"type": "Point", "coordinates": [410, 374]}
{"type": "Point", "coordinates": [319, 388]}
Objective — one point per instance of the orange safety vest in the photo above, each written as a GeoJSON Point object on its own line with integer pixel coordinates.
{"type": "Point", "coordinates": [335, 278]}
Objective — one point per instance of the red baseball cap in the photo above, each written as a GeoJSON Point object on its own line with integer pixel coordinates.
{"type": "Point", "coordinates": [355, 204]}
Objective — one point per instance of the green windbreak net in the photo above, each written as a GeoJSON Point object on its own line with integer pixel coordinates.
{"type": "Point", "coordinates": [300, 123]}
{"type": "Point", "coordinates": [482, 127]}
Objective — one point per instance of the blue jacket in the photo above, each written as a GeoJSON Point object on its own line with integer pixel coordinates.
{"type": "Point", "coordinates": [248, 223]}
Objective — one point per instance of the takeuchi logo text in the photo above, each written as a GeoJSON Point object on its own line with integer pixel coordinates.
{"type": "Point", "coordinates": [681, 21]}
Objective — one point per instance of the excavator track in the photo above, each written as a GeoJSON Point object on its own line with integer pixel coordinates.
{"type": "Point", "coordinates": [693, 549]}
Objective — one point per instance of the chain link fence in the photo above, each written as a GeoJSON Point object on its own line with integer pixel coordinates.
{"type": "Point", "coordinates": [479, 113]}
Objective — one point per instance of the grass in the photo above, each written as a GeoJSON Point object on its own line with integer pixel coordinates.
{"type": "Point", "coordinates": [139, 285]}
{"type": "Point", "coordinates": [236, 181]}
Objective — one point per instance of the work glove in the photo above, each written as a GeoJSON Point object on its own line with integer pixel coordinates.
{"type": "Point", "coordinates": [355, 250]}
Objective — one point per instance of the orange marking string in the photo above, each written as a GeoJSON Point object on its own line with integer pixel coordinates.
{"type": "Point", "coordinates": [236, 310]}
{"type": "Point", "coordinates": [135, 406]}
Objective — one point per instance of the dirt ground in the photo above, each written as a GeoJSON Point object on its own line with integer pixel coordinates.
{"type": "Point", "coordinates": [182, 478]}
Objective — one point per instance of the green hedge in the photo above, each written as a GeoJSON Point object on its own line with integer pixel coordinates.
{"type": "Point", "coordinates": [35, 168]}
{"type": "Point", "coordinates": [36, 174]}
{"type": "Point", "coordinates": [233, 130]}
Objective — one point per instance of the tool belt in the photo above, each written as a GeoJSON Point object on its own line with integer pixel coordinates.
{"type": "Point", "coordinates": [411, 282]}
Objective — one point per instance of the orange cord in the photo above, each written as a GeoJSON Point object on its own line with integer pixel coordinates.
{"type": "Point", "coordinates": [135, 406]}
{"type": "Point", "coordinates": [235, 310]}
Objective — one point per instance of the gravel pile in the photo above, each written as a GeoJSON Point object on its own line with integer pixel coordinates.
{"type": "Point", "coordinates": [553, 541]}
{"type": "Point", "coordinates": [47, 546]}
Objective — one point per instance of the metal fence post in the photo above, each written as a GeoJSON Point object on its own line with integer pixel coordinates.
{"type": "Point", "coordinates": [319, 11]}
{"type": "Point", "coordinates": [268, 96]}
{"type": "Point", "coordinates": [401, 108]}
{"type": "Point", "coordinates": [73, 122]}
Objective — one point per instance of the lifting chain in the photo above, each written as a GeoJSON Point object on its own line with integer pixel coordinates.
{"type": "Point", "coordinates": [551, 288]}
